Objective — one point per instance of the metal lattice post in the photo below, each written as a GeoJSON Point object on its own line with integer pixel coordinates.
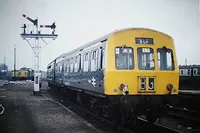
{"type": "Point", "coordinates": [37, 47]}
{"type": "Point", "coordinates": [36, 66]}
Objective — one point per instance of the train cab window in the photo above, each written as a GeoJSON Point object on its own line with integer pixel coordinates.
{"type": "Point", "coordinates": [165, 59]}
{"type": "Point", "coordinates": [93, 60]}
{"type": "Point", "coordinates": [146, 59]}
{"type": "Point", "coordinates": [124, 58]}
{"type": "Point", "coordinates": [76, 64]}
{"type": "Point", "coordinates": [86, 62]}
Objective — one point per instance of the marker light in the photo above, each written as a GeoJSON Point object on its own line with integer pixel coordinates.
{"type": "Point", "coordinates": [124, 88]}
{"type": "Point", "coordinates": [169, 87]}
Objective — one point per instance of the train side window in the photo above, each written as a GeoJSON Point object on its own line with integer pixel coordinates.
{"type": "Point", "coordinates": [57, 69]}
{"type": "Point", "coordinates": [86, 62]}
{"type": "Point", "coordinates": [94, 60]}
{"type": "Point", "coordinates": [189, 72]}
{"type": "Point", "coordinates": [181, 72]}
{"type": "Point", "coordinates": [67, 66]}
{"type": "Point", "coordinates": [194, 72]}
{"type": "Point", "coordinates": [60, 67]}
{"type": "Point", "coordinates": [76, 64]}
{"type": "Point", "coordinates": [102, 58]}
{"type": "Point", "coordinates": [71, 65]}
{"type": "Point", "coordinates": [198, 72]}
{"type": "Point", "coordinates": [63, 67]}
{"type": "Point", "coordinates": [80, 61]}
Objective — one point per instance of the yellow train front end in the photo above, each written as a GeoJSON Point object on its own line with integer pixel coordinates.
{"type": "Point", "coordinates": [141, 68]}
{"type": "Point", "coordinates": [23, 74]}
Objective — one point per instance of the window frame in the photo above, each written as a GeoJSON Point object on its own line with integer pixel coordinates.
{"type": "Point", "coordinates": [153, 58]}
{"type": "Point", "coordinates": [96, 59]}
{"type": "Point", "coordinates": [88, 61]}
{"type": "Point", "coordinates": [172, 59]}
{"type": "Point", "coordinates": [76, 58]}
{"type": "Point", "coordinates": [71, 63]}
{"type": "Point", "coordinates": [133, 59]}
{"type": "Point", "coordinates": [102, 58]}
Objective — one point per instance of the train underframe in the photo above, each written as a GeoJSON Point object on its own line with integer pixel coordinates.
{"type": "Point", "coordinates": [121, 109]}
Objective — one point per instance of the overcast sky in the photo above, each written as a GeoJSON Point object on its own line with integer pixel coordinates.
{"type": "Point", "coordinates": [80, 21]}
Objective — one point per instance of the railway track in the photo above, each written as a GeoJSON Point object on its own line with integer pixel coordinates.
{"type": "Point", "coordinates": [141, 126]}
{"type": "Point", "coordinates": [188, 116]}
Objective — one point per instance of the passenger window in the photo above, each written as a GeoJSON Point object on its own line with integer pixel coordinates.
{"type": "Point", "coordinates": [189, 72]}
{"type": "Point", "coordinates": [71, 65]}
{"type": "Point", "coordinates": [67, 66]}
{"type": "Point", "coordinates": [57, 68]}
{"type": "Point", "coordinates": [198, 72]}
{"type": "Point", "coordinates": [60, 68]}
{"type": "Point", "coordinates": [102, 58]}
{"type": "Point", "coordinates": [79, 62]}
{"type": "Point", "coordinates": [181, 72]}
{"type": "Point", "coordinates": [76, 64]}
{"type": "Point", "coordinates": [86, 62]}
{"type": "Point", "coordinates": [94, 61]}
{"type": "Point", "coordinates": [195, 72]}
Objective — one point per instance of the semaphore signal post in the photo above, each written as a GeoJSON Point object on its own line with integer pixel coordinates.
{"type": "Point", "coordinates": [37, 47]}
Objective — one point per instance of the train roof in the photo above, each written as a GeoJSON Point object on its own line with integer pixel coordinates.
{"type": "Point", "coordinates": [25, 68]}
{"type": "Point", "coordinates": [101, 39]}
{"type": "Point", "coordinates": [188, 66]}
{"type": "Point", "coordinates": [15, 70]}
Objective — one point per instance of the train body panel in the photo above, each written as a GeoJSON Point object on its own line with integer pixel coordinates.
{"type": "Point", "coordinates": [133, 80]}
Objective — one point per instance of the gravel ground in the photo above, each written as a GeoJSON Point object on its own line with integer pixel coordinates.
{"type": "Point", "coordinates": [37, 114]}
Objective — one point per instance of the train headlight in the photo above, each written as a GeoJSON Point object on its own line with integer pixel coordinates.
{"type": "Point", "coordinates": [124, 88]}
{"type": "Point", "coordinates": [169, 87]}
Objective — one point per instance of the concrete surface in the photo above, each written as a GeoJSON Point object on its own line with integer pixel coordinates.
{"type": "Point", "coordinates": [37, 114]}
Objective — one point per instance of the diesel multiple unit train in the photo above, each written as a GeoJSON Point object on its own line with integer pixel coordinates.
{"type": "Point", "coordinates": [189, 77]}
{"type": "Point", "coordinates": [123, 74]}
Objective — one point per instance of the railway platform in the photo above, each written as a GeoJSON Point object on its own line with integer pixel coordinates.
{"type": "Point", "coordinates": [24, 112]}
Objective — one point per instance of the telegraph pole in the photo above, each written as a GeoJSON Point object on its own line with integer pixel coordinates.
{"type": "Point", "coordinates": [14, 62]}
{"type": "Point", "coordinates": [5, 66]}
{"type": "Point", "coordinates": [37, 47]}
